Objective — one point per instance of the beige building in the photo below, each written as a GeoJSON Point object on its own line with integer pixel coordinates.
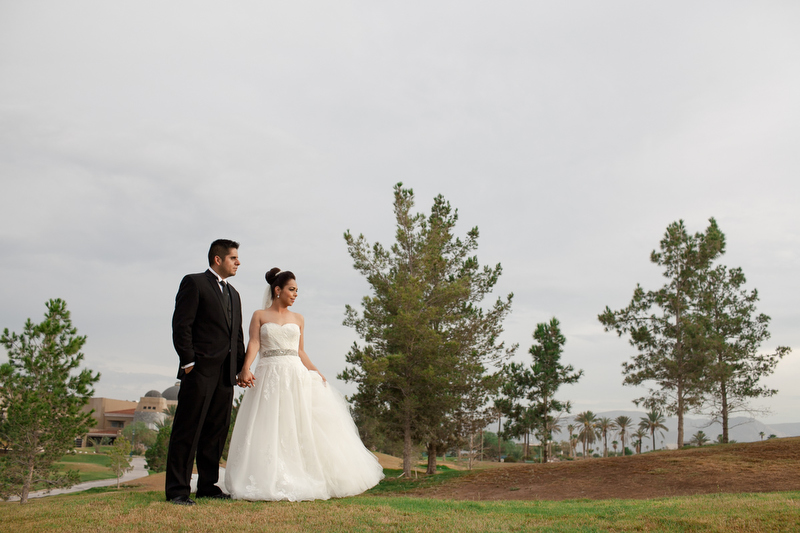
{"type": "Point", "coordinates": [113, 416]}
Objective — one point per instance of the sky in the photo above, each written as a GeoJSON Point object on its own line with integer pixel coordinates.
{"type": "Point", "coordinates": [132, 134]}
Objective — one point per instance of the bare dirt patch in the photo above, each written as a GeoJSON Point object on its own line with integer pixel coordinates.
{"type": "Point", "coordinates": [148, 483]}
{"type": "Point", "coordinates": [767, 466]}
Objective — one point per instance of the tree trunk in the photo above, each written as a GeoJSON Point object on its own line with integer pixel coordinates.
{"type": "Point", "coordinates": [26, 484]}
{"type": "Point", "coordinates": [499, 447]}
{"type": "Point", "coordinates": [471, 452]}
{"type": "Point", "coordinates": [679, 360]}
{"type": "Point", "coordinates": [544, 450]}
{"type": "Point", "coordinates": [724, 406]}
{"type": "Point", "coordinates": [680, 414]}
{"type": "Point", "coordinates": [431, 459]}
{"type": "Point", "coordinates": [407, 444]}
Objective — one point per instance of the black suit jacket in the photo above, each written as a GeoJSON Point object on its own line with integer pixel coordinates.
{"type": "Point", "coordinates": [200, 329]}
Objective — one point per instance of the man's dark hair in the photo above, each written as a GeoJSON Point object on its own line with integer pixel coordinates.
{"type": "Point", "coordinates": [220, 248]}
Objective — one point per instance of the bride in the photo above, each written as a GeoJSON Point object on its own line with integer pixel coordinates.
{"type": "Point", "coordinates": [294, 438]}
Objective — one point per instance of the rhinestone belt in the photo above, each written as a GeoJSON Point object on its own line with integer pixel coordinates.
{"type": "Point", "coordinates": [278, 352]}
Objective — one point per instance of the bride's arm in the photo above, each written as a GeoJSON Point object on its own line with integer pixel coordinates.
{"type": "Point", "coordinates": [246, 378]}
{"type": "Point", "coordinates": [302, 353]}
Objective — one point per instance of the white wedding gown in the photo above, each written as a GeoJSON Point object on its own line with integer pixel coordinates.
{"type": "Point", "coordinates": [294, 438]}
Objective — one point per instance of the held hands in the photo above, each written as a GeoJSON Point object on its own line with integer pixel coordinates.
{"type": "Point", "coordinates": [245, 379]}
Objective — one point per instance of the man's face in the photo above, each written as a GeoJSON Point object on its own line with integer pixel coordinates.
{"type": "Point", "coordinates": [227, 266]}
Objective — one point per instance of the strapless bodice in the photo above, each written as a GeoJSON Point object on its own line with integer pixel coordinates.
{"type": "Point", "coordinates": [277, 339]}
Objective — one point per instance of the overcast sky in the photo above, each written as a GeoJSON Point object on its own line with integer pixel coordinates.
{"type": "Point", "coordinates": [132, 134]}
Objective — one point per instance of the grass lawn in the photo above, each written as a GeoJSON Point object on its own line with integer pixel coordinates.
{"type": "Point", "coordinates": [127, 511]}
{"type": "Point", "coordinates": [90, 466]}
{"type": "Point", "coordinates": [508, 499]}
{"type": "Point", "coordinates": [392, 484]}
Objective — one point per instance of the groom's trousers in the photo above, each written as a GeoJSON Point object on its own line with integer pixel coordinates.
{"type": "Point", "coordinates": [200, 429]}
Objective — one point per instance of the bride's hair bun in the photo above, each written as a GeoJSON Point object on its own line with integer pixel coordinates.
{"type": "Point", "coordinates": [272, 274]}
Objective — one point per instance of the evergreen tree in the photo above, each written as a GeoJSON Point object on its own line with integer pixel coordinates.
{"type": "Point", "coordinates": [42, 394]}
{"type": "Point", "coordinates": [119, 454]}
{"type": "Point", "coordinates": [664, 325]}
{"type": "Point", "coordinates": [537, 387]}
{"type": "Point", "coordinates": [156, 454]}
{"type": "Point", "coordinates": [734, 333]}
{"type": "Point", "coordinates": [427, 341]}
{"type": "Point", "coordinates": [512, 401]}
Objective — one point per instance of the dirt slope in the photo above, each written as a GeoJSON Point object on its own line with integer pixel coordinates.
{"type": "Point", "coordinates": [767, 466]}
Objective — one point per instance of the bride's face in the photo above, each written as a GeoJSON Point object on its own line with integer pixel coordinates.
{"type": "Point", "coordinates": [288, 294]}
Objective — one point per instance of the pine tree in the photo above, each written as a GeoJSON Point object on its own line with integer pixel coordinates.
{"type": "Point", "coordinates": [537, 386]}
{"type": "Point", "coordinates": [427, 341]}
{"type": "Point", "coordinates": [664, 325]}
{"type": "Point", "coordinates": [734, 332]}
{"type": "Point", "coordinates": [42, 394]}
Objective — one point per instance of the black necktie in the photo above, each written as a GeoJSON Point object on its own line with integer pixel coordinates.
{"type": "Point", "coordinates": [226, 298]}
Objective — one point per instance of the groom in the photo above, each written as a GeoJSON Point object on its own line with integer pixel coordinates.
{"type": "Point", "coordinates": [207, 334]}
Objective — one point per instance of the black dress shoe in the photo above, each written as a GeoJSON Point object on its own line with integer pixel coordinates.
{"type": "Point", "coordinates": [220, 496]}
{"type": "Point", "coordinates": [181, 500]}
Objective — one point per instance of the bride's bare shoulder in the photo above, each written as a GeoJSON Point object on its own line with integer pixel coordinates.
{"type": "Point", "coordinates": [261, 315]}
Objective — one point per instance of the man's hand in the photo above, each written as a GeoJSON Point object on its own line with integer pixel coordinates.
{"type": "Point", "coordinates": [188, 369]}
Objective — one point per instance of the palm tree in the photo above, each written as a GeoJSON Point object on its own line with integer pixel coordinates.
{"type": "Point", "coordinates": [604, 425]}
{"type": "Point", "coordinates": [639, 435]}
{"type": "Point", "coordinates": [654, 421]}
{"type": "Point", "coordinates": [624, 427]}
{"type": "Point", "coordinates": [761, 434]}
{"type": "Point", "coordinates": [571, 435]}
{"type": "Point", "coordinates": [614, 444]}
{"type": "Point", "coordinates": [167, 421]}
{"type": "Point", "coordinates": [699, 438]}
{"type": "Point", "coordinates": [588, 423]}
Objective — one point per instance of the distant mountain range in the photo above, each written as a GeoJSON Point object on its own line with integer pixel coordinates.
{"type": "Point", "coordinates": [741, 429]}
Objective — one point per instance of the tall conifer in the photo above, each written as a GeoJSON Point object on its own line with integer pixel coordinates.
{"type": "Point", "coordinates": [42, 394]}
{"type": "Point", "coordinates": [664, 326]}
{"type": "Point", "coordinates": [427, 341]}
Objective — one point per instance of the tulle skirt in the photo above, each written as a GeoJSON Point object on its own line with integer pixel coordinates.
{"type": "Point", "coordinates": [294, 439]}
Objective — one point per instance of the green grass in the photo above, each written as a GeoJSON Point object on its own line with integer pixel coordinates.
{"type": "Point", "coordinates": [89, 458]}
{"type": "Point", "coordinates": [111, 510]}
{"type": "Point", "coordinates": [90, 466]}
{"type": "Point", "coordinates": [392, 484]}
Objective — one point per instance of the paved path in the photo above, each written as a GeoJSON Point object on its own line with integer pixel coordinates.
{"type": "Point", "coordinates": [138, 471]}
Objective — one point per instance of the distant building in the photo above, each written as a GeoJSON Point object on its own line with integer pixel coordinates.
{"type": "Point", "coordinates": [113, 416]}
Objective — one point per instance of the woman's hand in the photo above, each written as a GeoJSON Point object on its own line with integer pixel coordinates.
{"type": "Point", "coordinates": [245, 379]}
